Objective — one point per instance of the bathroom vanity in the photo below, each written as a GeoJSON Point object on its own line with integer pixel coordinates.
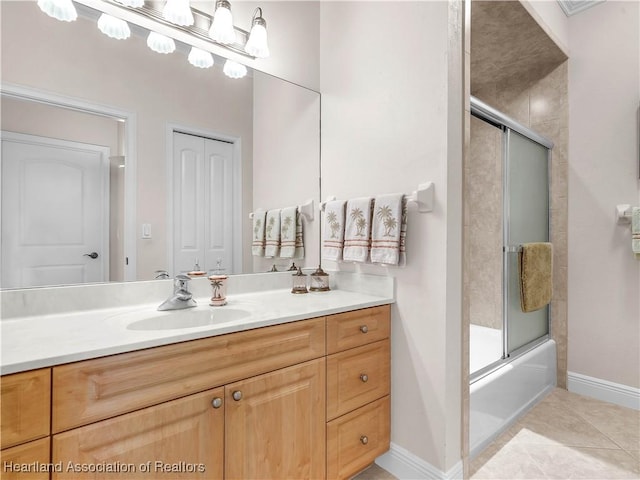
{"type": "Point", "coordinates": [308, 398]}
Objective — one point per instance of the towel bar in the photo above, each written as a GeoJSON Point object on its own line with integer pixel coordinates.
{"type": "Point", "coordinates": [306, 210]}
{"type": "Point", "coordinates": [623, 213]}
{"type": "Point", "coordinates": [512, 248]}
{"type": "Point", "coordinates": [423, 197]}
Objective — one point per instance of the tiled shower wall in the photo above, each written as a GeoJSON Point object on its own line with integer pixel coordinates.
{"type": "Point", "coordinates": [516, 69]}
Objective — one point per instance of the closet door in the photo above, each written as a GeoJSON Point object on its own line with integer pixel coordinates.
{"type": "Point", "coordinates": [202, 203]}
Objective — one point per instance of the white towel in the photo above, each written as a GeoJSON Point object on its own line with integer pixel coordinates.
{"type": "Point", "coordinates": [288, 232]}
{"type": "Point", "coordinates": [385, 230]}
{"type": "Point", "coordinates": [403, 234]}
{"type": "Point", "coordinates": [272, 229]}
{"type": "Point", "coordinates": [299, 250]}
{"type": "Point", "coordinates": [257, 246]}
{"type": "Point", "coordinates": [357, 230]}
{"type": "Point", "coordinates": [635, 231]}
{"type": "Point", "coordinates": [333, 234]}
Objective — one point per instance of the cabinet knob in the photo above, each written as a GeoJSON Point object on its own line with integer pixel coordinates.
{"type": "Point", "coordinates": [237, 395]}
{"type": "Point", "coordinates": [364, 439]}
{"type": "Point", "coordinates": [364, 329]}
{"type": "Point", "coordinates": [364, 377]}
{"type": "Point", "coordinates": [216, 402]}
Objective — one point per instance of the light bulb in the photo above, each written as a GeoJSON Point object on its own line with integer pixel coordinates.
{"type": "Point", "coordinates": [59, 9]}
{"type": "Point", "coordinates": [160, 43]}
{"type": "Point", "coordinates": [200, 58]}
{"type": "Point", "coordinates": [257, 43]}
{"type": "Point", "coordinates": [234, 69]}
{"type": "Point", "coordinates": [222, 25]}
{"type": "Point", "coordinates": [113, 27]}
{"type": "Point", "coordinates": [178, 12]}
{"type": "Point", "coordinates": [131, 3]}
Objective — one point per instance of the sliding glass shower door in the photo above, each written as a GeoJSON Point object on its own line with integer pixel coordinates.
{"type": "Point", "coordinates": [526, 219]}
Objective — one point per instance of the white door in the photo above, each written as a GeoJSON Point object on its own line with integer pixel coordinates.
{"type": "Point", "coordinates": [55, 211]}
{"type": "Point", "coordinates": [202, 203]}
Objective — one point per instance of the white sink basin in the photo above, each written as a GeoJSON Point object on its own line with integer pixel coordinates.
{"type": "Point", "coordinates": [188, 318]}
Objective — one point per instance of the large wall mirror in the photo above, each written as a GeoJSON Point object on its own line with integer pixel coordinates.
{"type": "Point", "coordinates": [119, 118]}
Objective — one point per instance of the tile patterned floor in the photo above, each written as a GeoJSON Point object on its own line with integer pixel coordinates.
{"type": "Point", "coordinates": [566, 436]}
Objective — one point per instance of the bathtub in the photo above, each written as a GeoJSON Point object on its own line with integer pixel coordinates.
{"type": "Point", "coordinates": [502, 396]}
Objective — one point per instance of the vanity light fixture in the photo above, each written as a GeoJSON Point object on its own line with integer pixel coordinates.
{"type": "Point", "coordinates": [178, 12]}
{"type": "Point", "coordinates": [131, 3]}
{"type": "Point", "coordinates": [200, 58]}
{"type": "Point", "coordinates": [160, 43]}
{"type": "Point", "coordinates": [222, 25]}
{"type": "Point", "coordinates": [59, 9]}
{"type": "Point", "coordinates": [234, 69]}
{"type": "Point", "coordinates": [113, 27]}
{"type": "Point", "coordinates": [257, 43]}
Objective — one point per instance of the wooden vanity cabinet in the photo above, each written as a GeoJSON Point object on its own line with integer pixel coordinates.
{"type": "Point", "coordinates": [25, 424]}
{"type": "Point", "coordinates": [358, 390]}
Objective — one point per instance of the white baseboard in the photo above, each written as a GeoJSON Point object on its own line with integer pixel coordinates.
{"type": "Point", "coordinates": [604, 390]}
{"type": "Point", "coordinates": [404, 465]}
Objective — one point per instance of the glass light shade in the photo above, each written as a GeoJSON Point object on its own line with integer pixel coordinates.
{"type": "Point", "coordinates": [131, 3]}
{"type": "Point", "coordinates": [222, 25]}
{"type": "Point", "coordinates": [113, 27]}
{"type": "Point", "coordinates": [200, 58]}
{"type": "Point", "coordinates": [59, 9]}
{"type": "Point", "coordinates": [178, 12]}
{"type": "Point", "coordinates": [257, 43]}
{"type": "Point", "coordinates": [160, 43]}
{"type": "Point", "coordinates": [234, 69]}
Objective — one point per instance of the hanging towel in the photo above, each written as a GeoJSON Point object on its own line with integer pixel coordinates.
{"type": "Point", "coordinates": [385, 229]}
{"type": "Point", "coordinates": [333, 232]}
{"type": "Point", "coordinates": [257, 246]}
{"type": "Point", "coordinates": [299, 249]}
{"type": "Point", "coordinates": [357, 230]}
{"type": "Point", "coordinates": [403, 234]}
{"type": "Point", "coordinates": [635, 231]}
{"type": "Point", "coordinates": [272, 229]}
{"type": "Point", "coordinates": [536, 267]}
{"type": "Point", "coordinates": [288, 232]}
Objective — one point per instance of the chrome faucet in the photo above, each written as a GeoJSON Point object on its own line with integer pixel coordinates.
{"type": "Point", "coordinates": [181, 298]}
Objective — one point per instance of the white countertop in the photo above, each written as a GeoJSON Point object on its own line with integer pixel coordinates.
{"type": "Point", "coordinates": [31, 342]}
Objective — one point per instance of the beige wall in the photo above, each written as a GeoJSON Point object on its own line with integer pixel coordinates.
{"type": "Point", "coordinates": [385, 126]}
{"type": "Point", "coordinates": [604, 277]}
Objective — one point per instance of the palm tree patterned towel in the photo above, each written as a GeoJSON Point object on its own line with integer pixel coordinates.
{"type": "Point", "coordinates": [288, 232]}
{"type": "Point", "coordinates": [257, 246]}
{"type": "Point", "coordinates": [272, 229]}
{"type": "Point", "coordinates": [333, 231]}
{"type": "Point", "coordinates": [357, 230]}
{"type": "Point", "coordinates": [299, 248]}
{"type": "Point", "coordinates": [635, 231]}
{"type": "Point", "coordinates": [385, 229]}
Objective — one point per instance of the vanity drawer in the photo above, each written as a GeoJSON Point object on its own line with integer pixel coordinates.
{"type": "Point", "coordinates": [352, 329]}
{"type": "Point", "coordinates": [26, 405]}
{"type": "Point", "coordinates": [93, 390]}
{"type": "Point", "coordinates": [32, 453]}
{"type": "Point", "coordinates": [356, 439]}
{"type": "Point", "coordinates": [356, 377]}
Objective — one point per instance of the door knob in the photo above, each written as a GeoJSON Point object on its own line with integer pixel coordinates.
{"type": "Point", "coordinates": [93, 255]}
{"type": "Point", "coordinates": [237, 395]}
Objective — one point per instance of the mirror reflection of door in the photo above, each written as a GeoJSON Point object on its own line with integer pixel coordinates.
{"type": "Point", "coordinates": [202, 204]}
{"type": "Point", "coordinates": [55, 211]}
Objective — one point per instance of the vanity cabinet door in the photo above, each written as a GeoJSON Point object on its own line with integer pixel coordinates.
{"type": "Point", "coordinates": [181, 439]}
{"type": "Point", "coordinates": [275, 424]}
{"type": "Point", "coordinates": [26, 406]}
{"type": "Point", "coordinates": [26, 462]}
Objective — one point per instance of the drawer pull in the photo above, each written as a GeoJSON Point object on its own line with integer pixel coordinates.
{"type": "Point", "coordinates": [364, 377]}
{"type": "Point", "coordinates": [237, 395]}
{"type": "Point", "coordinates": [364, 439]}
{"type": "Point", "coordinates": [216, 402]}
{"type": "Point", "coordinates": [364, 329]}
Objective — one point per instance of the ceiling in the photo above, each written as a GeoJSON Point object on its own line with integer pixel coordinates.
{"type": "Point", "coordinates": [571, 7]}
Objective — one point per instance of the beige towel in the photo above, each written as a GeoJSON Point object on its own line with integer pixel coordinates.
{"type": "Point", "coordinates": [257, 246]}
{"type": "Point", "coordinates": [272, 229]}
{"type": "Point", "coordinates": [357, 230]}
{"type": "Point", "coordinates": [333, 231]}
{"type": "Point", "coordinates": [288, 232]}
{"type": "Point", "coordinates": [536, 269]}
{"type": "Point", "coordinates": [385, 230]}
